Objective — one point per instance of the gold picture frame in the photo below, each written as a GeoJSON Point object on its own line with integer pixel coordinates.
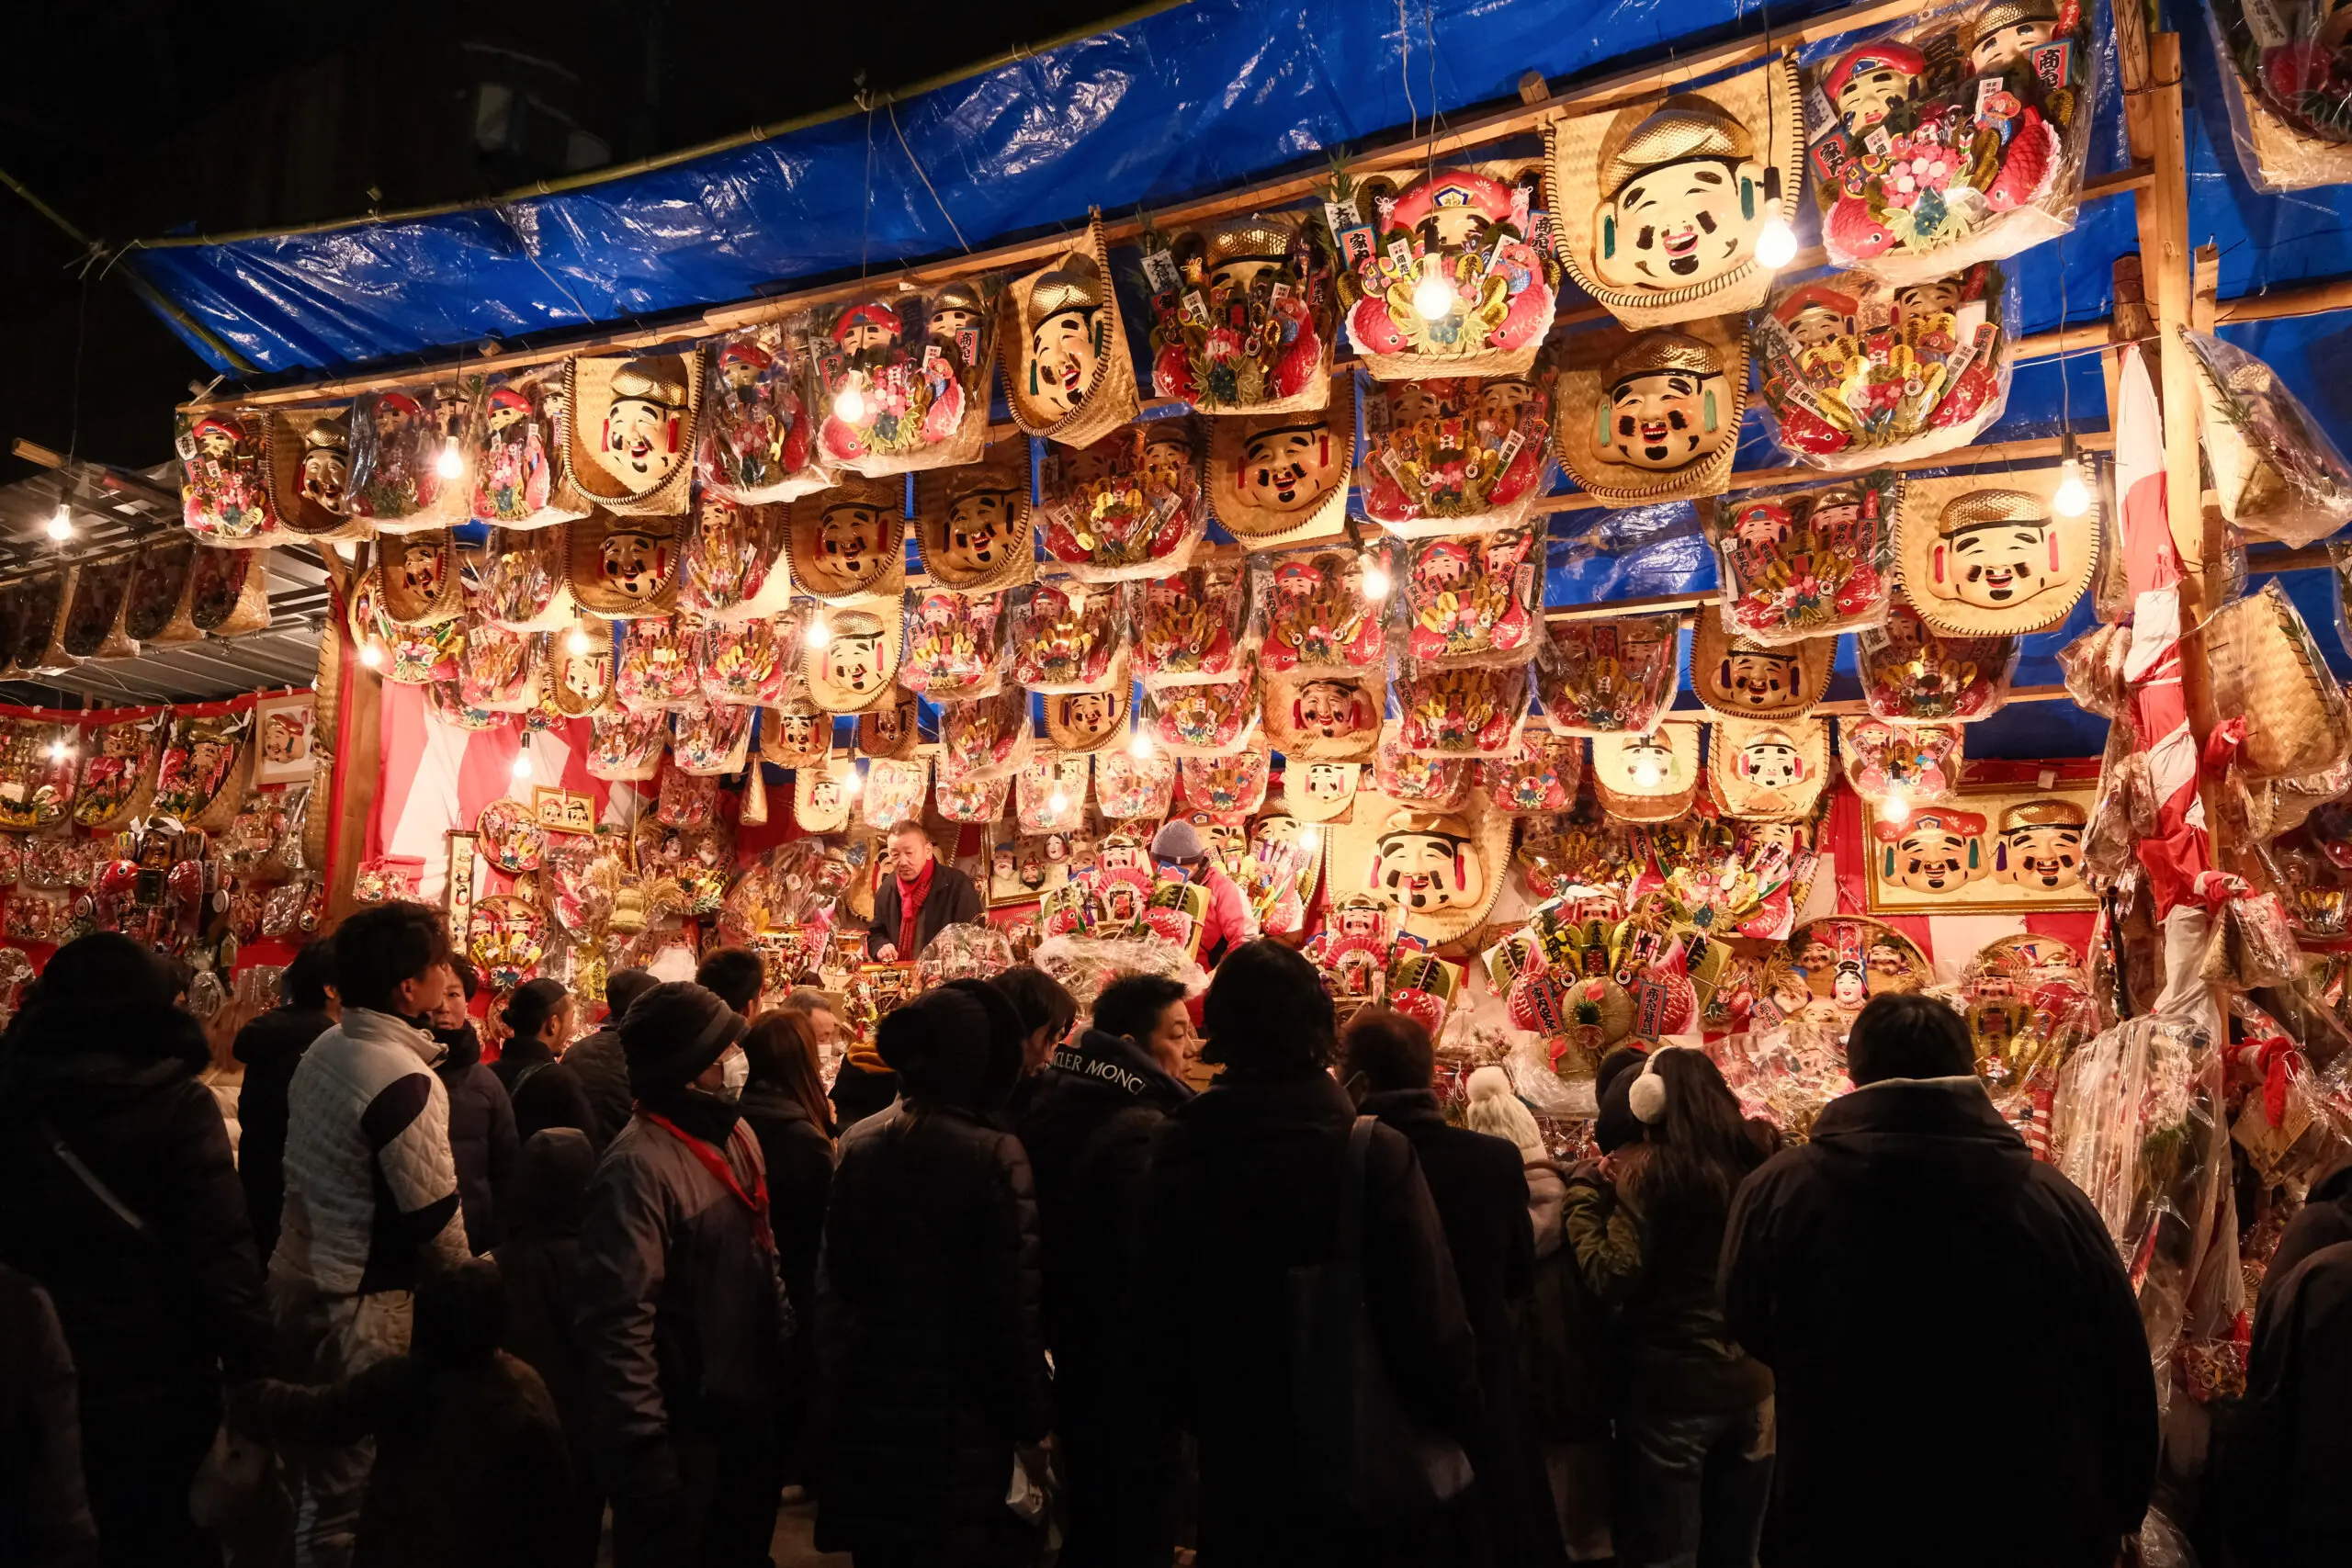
{"type": "Point", "coordinates": [1964, 858]}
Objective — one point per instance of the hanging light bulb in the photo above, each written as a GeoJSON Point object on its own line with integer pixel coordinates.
{"type": "Point", "coordinates": [1376, 583]}
{"type": "Point", "coordinates": [1648, 776]}
{"type": "Point", "coordinates": [849, 403]}
{"type": "Point", "coordinates": [451, 464]}
{"type": "Point", "coordinates": [1897, 808]}
{"type": "Point", "coordinates": [1433, 297]}
{"type": "Point", "coordinates": [1141, 747]}
{"type": "Point", "coordinates": [60, 524]}
{"type": "Point", "coordinates": [1309, 837]}
{"type": "Point", "coordinates": [819, 633]}
{"type": "Point", "coordinates": [522, 763]}
{"type": "Point", "coordinates": [371, 654]}
{"type": "Point", "coordinates": [1776, 243]}
{"type": "Point", "coordinates": [2072, 496]}
{"type": "Point", "coordinates": [1057, 802]}
{"type": "Point", "coordinates": [577, 644]}
{"type": "Point", "coordinates": [852, 782]}
{"type": "Point", "coordinates": [59, 751]}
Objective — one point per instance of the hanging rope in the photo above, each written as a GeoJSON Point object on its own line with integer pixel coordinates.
{"type": "Point", "coordinates": [891, 105]}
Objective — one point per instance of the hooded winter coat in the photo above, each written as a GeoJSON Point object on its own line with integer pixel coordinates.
{"type": "Point", "coordinates": [2324, 1220]}
{"type": "Point", "coordinates": [155, 1310]}
{"type": "Point", "coordinates": [2282, 1480]}
{"type": "Point", "coordinates": [1479, 1185]}
{"type": "Point", "coordinates": [44, 1510]}
{"type": "Point", "coordinates": [600, 1068]}
{"type": "Point", "coordinates": [930, 1343]}
{"type": "Point", "coordinates": [1244, 1189]}
{"type": "Point", "coordinates": [1088, 1122]}
{"type": "Point", "coordinates": [1906, 1274]}
{"type": "Point", "coordinates": [543, 1089]}
{"type": "Point", "coordinates": [800, 1178]}
{"type": "Point", "coordinates": [270, 1046]}
{"type": "Point", "coordinates": [481, 1132]}
{"type": "Point", "coordinates": [539, 1262]}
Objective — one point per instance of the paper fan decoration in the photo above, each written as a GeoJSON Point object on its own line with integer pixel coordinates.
{"type": "Point", "coordinates": [513, 459]}
{"type": "Point", "coordinates": [902, 380]}
{"type": "Point", "coordinates": [1461, 713]}
{"type": "Point", "coordinates": [1209, 720]}
{"type": "Point", "coordinates": [1457, 456]}
{"type": "Point", "coordinates": [1474, 600]}
{"type": "Point", "coordinates": [1981, 559]}
{"type": "Point", "coordinates": [626, 747]}
{"type": "Point", "coordinates": [1130, 788]}
{"type": "Point", "coordinates": [510, 837]}
{"type": "Point", "coordinates": [1541, 778]}
{"type": "Point", "coordinates": [1808, 563]}
{"type": "Point", "coordinates": [1916, 764]}
{"type": "Point", "coordinates": [1129, 504]}
{"type": "Point", "coordinates": [972, 521]}
{"type": "Point", "coordinates": [984, 738]}
{"type": "Point", "coordinates": [732, 565]}
{"type": "Point", "coordinates": [1276, 478]}
{"type": "Point", "coordinates": [225, 485]}
{"type": "Point", "coordinates": [1912, 674]}
{"type": "Point", "coordinates": [1066, 634]}
{"type": "Point", "coordinates": [1089, 721]}
{"type": "Point", "coordinates": [1467, 236]}
{"type": "Point", "coordinates": [856, 664]}
{"type": "Point", "coordinates": [1067, 375]}
{"type": "Point", "coordinates": [627, 431]}
{"type": "Point", "coordinates": [1325, 716]}
{"type": "Point", "coordinates": [889, 729]}
{"type": "Point", "coordinates": [848, 544]}
{"type": "Point", "coordinates": [1196, 626]}
{"type": "Point", "coordinates": [758, 441]}
{"type": "Point", "coordinates": [1320, 791]}
{"type": "Point", "coordinates": [1415, 779]}
{"type": "Point", "coordinates": [954, 646]}
{"type": "Point", "coordinates": [1648, 778]}
{"type": "Point", "coordinates": [795, 733]}
{"type": "Point", "coordinates": [1653, 416]}
{"type": "Point", "coordinates": [1742, 679]}
{"type": "Point", "coordinates": [895, 790]}
{"type": "Point", "coordinates": [1318, 619]}
{"type": "Point", "coordinates": [1612, 677]}
{"type": "Point", "coordinates": [1767, 770]}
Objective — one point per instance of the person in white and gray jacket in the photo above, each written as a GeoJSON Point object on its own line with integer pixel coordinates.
{"type": "Point", "coordinates": [371, 1190]}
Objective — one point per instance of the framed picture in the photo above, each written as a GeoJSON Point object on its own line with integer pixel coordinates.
{"type": "Point", "coordinates": [282, 736]}
{"type": "Point", "coordinates": [1995, 848]}
{"type": "Point", "coordinates": [564, 811]}
{"type": "Point", "coordinates": [1021, 868]}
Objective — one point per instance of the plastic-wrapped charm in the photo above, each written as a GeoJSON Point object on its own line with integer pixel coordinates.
{"type": "Point", "coordinates": [954, 646]}
{"type": "Point", "coordinates": [758, 441]}
{"type": "Point", "coordinates": [1458, 456]}
{"type": "Point", "coordinates": [2278, 473]}
{"type": "Point", "coordinates": [732, 565]}
{"type": "Point", "coordinates": [1243, 316]}
{"type": "Point", "coordinates": [225, 493]}
{"type": "Point", "coordinates": [1196, 626]}
{"type": "Point", "coordinates": [1066, 634]}
{"type": "Point", "coordinates": [984, 738]}
{"type": "Point", "coordinates": [1128, 505]}
{"type": "Point", "coordinates": [627, 746]}
{"type": "Point", "coordinates": [1319, 620]}
{"type": "Point", "coordinates": [894, 791]}
{"type": "Point", "coordinates": [397, 441]}
{"type": "Point", "coordinates": [1448, 275]}
{"type": "Point", "coordinates": [1474, 600]}
{"type": "Point", "coordinates": [1415, 779]}
{"type": "Point", "coordinates": [1808, 563]}
{"type": "Point", "coordinates": [514, 472]}
{"type": "Point", "coordinates": [1129, 788]}
{"type": "Point", "coordinates": [1917, 764]}
{"type": "Point", "coordinates": [1461, 713]}
{"type": "Point", "coordinates": [902, 381]}
{"type": "Point", "coordinates": [1911, 674]}
{"type": "Point", "coordinates": [1213, 719]}
{"type": "Point", "coordinates": [1612, 677]}
{"type": "Point", "coordinates": [1540, 778]}
{"type": "Point", "coordinates": [746, 663]}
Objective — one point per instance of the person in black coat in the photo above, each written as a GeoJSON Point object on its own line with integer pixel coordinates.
{"type": "Point", "coordinates": [784, 1105]}
{"type": "Point", "coordinates": [540, 1261]}
{"type": "Point", "coordinates": [939, 895]}
{"type": "Point", "coordinates": [2283, 1469]}
{"type": "Point", "coordinates": [118, 1195]}
{"type": "Point", "coordinates": [481, 1120]}
{"type": "Point", "coordinates": [2325, 1219]}
{"type": "Point", "coordinates": [544, 1090]}
{"type": "Point", "coordinates": [270, 1046]}
{"type": "Point", "coordinates": [600, 1063]}
{"type": "Point", "coordinates": [1480, 1184]}
{"type": "Point", "coordinates": [1873, 1268]}
{"type": "Point", "coordinates": [1244, 1190]}
{"type": "Point", "coordinates": [1088, 1123]}
{"type": "Point", "coordinates": [44, 1510]}
{"type": "Point", "coordinates": [933, 1386]}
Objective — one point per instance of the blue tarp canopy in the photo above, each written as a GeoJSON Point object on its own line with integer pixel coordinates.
{"type": "Point", "coordinates": [1190, 101]}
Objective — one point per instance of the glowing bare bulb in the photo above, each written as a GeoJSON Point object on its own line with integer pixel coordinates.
{"type": "Point", "coordinates": [850, 404]}
{"type": "Point", "coordinates": [522, 764]}
{"type": "Point", "coordinates": [1433, 297]}
{"type": "Point", "coordinates": [1648, 776]}
{"type": "Point", "coordinates": [61, 524]}
{"type": "Point", "coordinates": [819, 634]}
{"type": "Point", "coordinates": [1897, 808]}
{"type": "Point", "coordinates": [59, 751]}
{"type": "Point", "coordinates": [1309, 837]}
{"type": "Point", "coordinates": [1375, 581]}
{"type": "Point", "coordinates": [1776, 243]}
{"type": "Point", "coordinates": [1058, 803]}
{"type": "Point", "coordinates": [577, 644]}
{"type": "Point", "coordinates": [451, 464]}
{"type": "Point", "coordinates": [2072, 497]}
{"type": "Point", "coordinates": [371, 654]}
{"type": "Point", "coordinates": [852, 782]}
{"type": "Point", "coordinates": [1141, 747]}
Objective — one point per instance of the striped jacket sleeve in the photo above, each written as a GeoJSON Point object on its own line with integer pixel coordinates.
{"type": "Point", "coordinates": [407, 1125]}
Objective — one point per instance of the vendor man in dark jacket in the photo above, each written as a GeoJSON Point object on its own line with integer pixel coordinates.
{"type": "Point", "coordinates": [1928, 1294]}
{"type": "Point", "coordinates": [1087, 1124]}
{"type": "Point", "coordinates": [681, 1314]}
{"type": "Point", "coordinates": [922, 895]}
{"type": "Point", "coordinates": [270, 1046]}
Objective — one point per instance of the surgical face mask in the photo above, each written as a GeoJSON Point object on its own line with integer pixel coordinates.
{"type": "Point", "coordinates": [734, 1072]}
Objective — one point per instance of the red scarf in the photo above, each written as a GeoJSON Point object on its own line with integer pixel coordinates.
{"type": "Point", "coordinates": [910, 899]}
{"type": "Point", "coordinates": [711, 1160]}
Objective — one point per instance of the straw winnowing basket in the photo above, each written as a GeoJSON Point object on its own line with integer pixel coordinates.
{"type": "Point", "coordinates": [1580, 394]}
{"type": "Point", "coordinates": [1112, 400]}
{"type": "Point", "coordinates": [2266, 667]}
{"type": "Point", "coordinates": [1258, 526]}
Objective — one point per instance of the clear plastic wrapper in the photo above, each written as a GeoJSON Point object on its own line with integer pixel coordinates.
{"type": "Point", "coordinates": [397, 441]}
{"type": "Point", "coordinates": [1952, 139]}
{"type": "Point", "coordinates": [712, 740]}
{"type": "Point", "coordinates": [1128, 505]}
{"type": "Point", "coordinates": [1243, 315]}
{"type": "Point", "coordinates": [894, 791]}
{"type": "Point", "coordinates": [744, 663]}
{"type": "Point", "coordinates": [520, 584]}
{"type": "Point", "coordinates": [973, 800]}
{"type": "Point", "coordinates": [1474, 713]}
{"type": "Point", "coordinates": [1446, 274]}
{"type": "Point", "coordinates": [2276, 470]}
{"type": "Point", "coordinates": [2268, 672]}
{"type": "Point", "coordinates": [1129, 788]}
{"type": "Point", "coordinates": [1474, 601]}
{"type": "Point", "coordinates": [732, 566]}
{"type": "Point", "coordinates": [903, 379]}
{"type": "Point", "coordinates": [986, 738]}
{"type": "Point", "coordinates": [513, 459]}
{"type": "Point", "coordinates": [497, 671]}
{"type": "Point", "coordinates": [1319, 620]}
{"type": "Point", "coordinates": [1807, 563]}
{"type": "Point", "coordinates": [1279, 874]}
{"type": "Point", "coordinates": [2286, 74]}
{"type": "Point", "coordinates": [1455, 456]}
{"type": "Point", "coordinates": [1197, 624]}
{"type": "Point", "coordinates": [1786, 1073]}
{"type": "Point", "coordinates": [1050, 794]}
{"type": "Point", "coordinates": [1213, 719]}
{"type": "Point", "coordinates": [1540, 778]}
{"type": "Point", "coordinates": [627, 747]}
{"type": "Point", "coordinates": [1613, 677]}
{"type": "Point", "coordinates": [1405, 775]}
{"type": "Point", "coordinates": [1913, 675]}
{"type": "Point", "coordinates": [1918, 764]}
{"type": "Point", "coordinates": [1859, 373]}
{"type": "Point", "coordinates": [1066, 634]}
{"type": "Point", "coordinates": [224, 487]}
{"type": "Point", "coordinates": [954, 646]}
{"type": "Point", "coordinates": [1085, 964]}
{"type": "Point", "coordinates": [657, 667]}
{"type": "Point", "coordinates": [2092, 666]}
{"type": "Point", "coordinates": [974, 952]}
{"type": "Point", "coordinates": [205, 768]}
{"type": "Point", "coordinates": [758, 441]}
{"type": "Point", "coordinates": [1227, 785]}
{"type": "Point", "coordinates": [2029, 1005]}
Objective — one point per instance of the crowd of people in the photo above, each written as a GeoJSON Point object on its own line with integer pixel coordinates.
{"type": "Point", "coordinates": [1009, 1291]}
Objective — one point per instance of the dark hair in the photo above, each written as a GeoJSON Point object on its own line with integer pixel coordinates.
{"type": "Point", "coordinates": [1699, 1152]}
{"type": "Point", "coordinates": [735, 973]}
{"type": "Point", "coordinates": [1619, 1060]}
{"type": "Point", "coordinates": [382, 947]}
{"type": "Point", "coordinates": [781, 1051]}
{"type": "Point", "coordinates": [1906, 1035]}
{"type": "Point", "coordinates": [1267, 1009]}
{"type": "Point", "coordinates": [532, 1003]}
{"type": "Point", "coordinates": [460, 1313]}
{"type": "Point", "coordinates": [468, 978]}
{"type": "Point", "coordinates": [807, 1000]}
{"type": "Point", "coordinates": [104, 969]}
{"type": "Point", "coordinates": [908, 825]}
{"type": "Point", "coordinates": [1132, 1005]}
{"type": "Point", "coordinates": [623, 987]}
{"type": "Point", "coordinates": [304, 984]}
{"type": "Point", "coordinates": [1040, 999]}
{"type": "Point", "coordinates": [1386, 1050]}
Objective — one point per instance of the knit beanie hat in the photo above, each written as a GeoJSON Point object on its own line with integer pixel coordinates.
{"type": "Point", "coordinates": [623, 987]}
{"type": "Point", "coordinates": [671, 1032]}
{"type": "Point", "coordinates": [959, 1044]}
{"type": "Point", "coordinates": [1493, 1109]}
{"type": "Point", "coordinates": [1178, 841]}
